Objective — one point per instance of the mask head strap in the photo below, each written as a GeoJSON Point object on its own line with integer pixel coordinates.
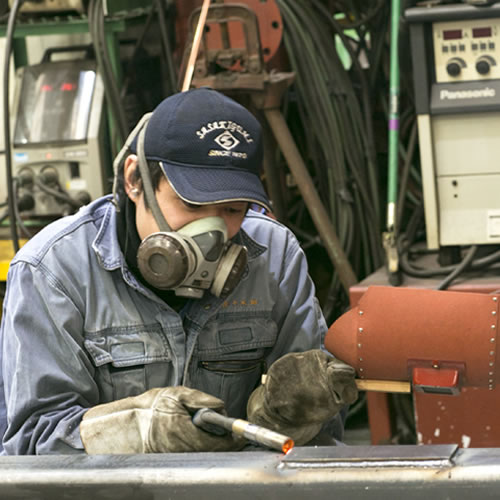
{"type": "Point", "coordinates": [143, 169]}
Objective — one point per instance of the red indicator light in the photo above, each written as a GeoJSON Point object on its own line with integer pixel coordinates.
{"type": "Point", "coordinates": [46, 88]}
{"type": "Point", "coordinates": [68, 86]}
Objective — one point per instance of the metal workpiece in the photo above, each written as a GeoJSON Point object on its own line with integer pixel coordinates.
{"type": "Point", "coordinates": [380, 457]}
{"type": "Point", "coordinates": [342, 472]}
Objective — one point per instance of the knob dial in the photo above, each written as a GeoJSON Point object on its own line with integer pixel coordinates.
{"type": "Point", "coordinates": [454, 66]}
{"type": "Point", "coordinates": [484, 64]}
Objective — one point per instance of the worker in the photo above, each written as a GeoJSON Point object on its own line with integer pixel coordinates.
{"type": "Point", "coordinates": [167, 296]}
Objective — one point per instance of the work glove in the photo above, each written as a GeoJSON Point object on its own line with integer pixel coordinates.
{"type": "Point", "coordinates": [301, 392]}
{"type": "Point", "coordinates": [157, 421]}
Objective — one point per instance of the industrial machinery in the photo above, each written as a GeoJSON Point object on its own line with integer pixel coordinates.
{"type": "Point", "coordinates": [441, 344]}
{"type": "Point", "coordinates": [36, 6]}
{"type": "Point", "coordinates": [55, 6]}
{"type": "Point", "coordinates": [456, 66]}
{"type": "Point", "coordinates": [450, 346]}
{"type": "Point", "coordinates": [59, 144]}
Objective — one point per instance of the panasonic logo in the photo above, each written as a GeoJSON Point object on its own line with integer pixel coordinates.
{"type": "Point", "coordinates": [467, 94]}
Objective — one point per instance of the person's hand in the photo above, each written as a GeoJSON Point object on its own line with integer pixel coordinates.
{"type": "Point", "coordinates": [301, 392]}
{"type": "Point", "coordinates": [157, 421]}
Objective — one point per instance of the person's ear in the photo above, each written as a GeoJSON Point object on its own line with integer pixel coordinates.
{"type": "Point", "coordinates": [132, 183]}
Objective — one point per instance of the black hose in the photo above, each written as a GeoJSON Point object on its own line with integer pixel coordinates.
{"type": "Point", "coordinates": [6, 120]}
{"type": "Point", "coordinates": [459, 269]}
{"type": "Point", "coordinates": [406, 241]}
{"type": "Point", "coordinates": [58, 194]}
{"type": "Point", "coordinates": [403, 183]}
{"type": "Point", "coordinates": [18, 219]}
{"type": "Point", "coordinates": [97, 31]}
{"type": "Point", "coordinates": [135, 53]}
{"type": "Point", "coordinates": [172, 75]}
{"type": "Point", "coordinates": [157, 7]}
{"type": "Point", "coordinates": [338, 128]}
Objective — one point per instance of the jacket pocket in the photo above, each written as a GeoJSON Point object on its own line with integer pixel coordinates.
{"type": "Point", "coordinates": [129, 360]}
{"type": "Point", "coordinates": [230, 359]}
{"type": "Point", "coordinates": [234, 365]}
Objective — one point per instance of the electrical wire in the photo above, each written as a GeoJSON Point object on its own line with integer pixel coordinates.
{"type": "Point", "coordinates": [159, 10]}
{"type": "Point", "coordinates": [407, 242]}
{"type": "Point", "coordinates": [19, 220]}
{"type": "Point", "coordinates": [167, 49]}
{"type": "Point", "coordinates": [135, 53]}
{"type": "Point", "coordinates": [98, 35]}
{"type": "Point", "coordinates": [6, 122]}
{"type": "Point", "coordinates": [459, 269]}
{"type": "Point", "coordinates": [336, 137]}
{"type": "Point", "coordinates": [59, 194]}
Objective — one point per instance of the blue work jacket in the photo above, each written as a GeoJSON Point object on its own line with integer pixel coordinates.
{"type": "Point", "coordinates": [79, 329]}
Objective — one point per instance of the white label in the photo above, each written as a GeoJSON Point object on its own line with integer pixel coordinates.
{"type": "Point", "coordinates": [77, 184]}
{"type": "Point", "coordinates": [21, 157]}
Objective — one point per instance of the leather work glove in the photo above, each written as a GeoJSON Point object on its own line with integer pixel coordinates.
{"type": "Point", "coordinates": [301, 392]}
{"type": "Point", "coordinates": [157, 421]}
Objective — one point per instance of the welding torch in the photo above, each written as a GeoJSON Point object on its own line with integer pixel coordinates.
{"type": "Point", "coordinates": [218, 424]}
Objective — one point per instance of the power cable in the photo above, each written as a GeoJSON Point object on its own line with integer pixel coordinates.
{"type": "Point", "coordinates": [406, 246]}
{"type": "Point", "coordinates": [6, 119]}
{"type": "Point", "coordinates": [59, 194]}
{"type": "Point", "coordinates": [18, 219]}
{"type": "Point", "coordinates": [167, 49]}
{"type": "Point", "coordinates": [97, 30]}
{"type": "Point", "coordinates": [459, 269]}
{"type": "Point", "coordinates": [157, 8]}
{"type": "Point", "coordinates": [336, 136]}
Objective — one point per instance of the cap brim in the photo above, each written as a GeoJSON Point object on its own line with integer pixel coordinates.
{"type": "Point", "coordinates": [202, 185]}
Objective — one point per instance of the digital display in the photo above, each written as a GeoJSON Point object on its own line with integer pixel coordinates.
{"type": "Point", "coordinates": [481, 32]}
{"type": "Point", "coordinates": [54, 103]}
{"type": "Point", "coordinates": [452, 34]}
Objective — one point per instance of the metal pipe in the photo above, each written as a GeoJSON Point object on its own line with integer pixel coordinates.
{"type": "Point", "coordinates": [196, 45]}
{"type": "Point", "coordinates": [273, 181]}
{"type": "Point", "coordinates": [393, 146]}
{"type": "Point", "coordinates": [311, 197]}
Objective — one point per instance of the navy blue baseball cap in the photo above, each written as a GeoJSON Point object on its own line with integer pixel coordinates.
{"type": "Point", "coordinates": [209, 146]}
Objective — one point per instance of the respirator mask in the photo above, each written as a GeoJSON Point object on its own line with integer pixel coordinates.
{"type": "Point", "coordinates": [196, 257]}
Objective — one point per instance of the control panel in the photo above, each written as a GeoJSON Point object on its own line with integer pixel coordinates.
{"type": "Point", "coordinates": [467, 50]}
{"type": "Point", "coordinates": [59, 147]}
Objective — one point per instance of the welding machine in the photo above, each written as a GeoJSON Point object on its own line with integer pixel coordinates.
{"type": "Point", "coordinates": [455, 50]}
{"type": "Point", "coordinates": [60, 141]}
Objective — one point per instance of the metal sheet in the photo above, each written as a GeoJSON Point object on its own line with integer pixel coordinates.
{"type": "Point", "coordinates": [369, 456]}
{"type": "Point", "coordinates": [245, 475]}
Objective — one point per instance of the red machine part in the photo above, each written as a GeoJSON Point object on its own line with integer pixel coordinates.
{"type": "Point", "coordinates": [392, 331]}
{"type": "Point", "coordinates": [436, 379]}
{"type": "Point", "coordinates": [269, 18]}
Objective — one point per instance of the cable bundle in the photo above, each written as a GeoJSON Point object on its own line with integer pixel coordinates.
{"type": "Point", "coordinates": [335, 110]}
